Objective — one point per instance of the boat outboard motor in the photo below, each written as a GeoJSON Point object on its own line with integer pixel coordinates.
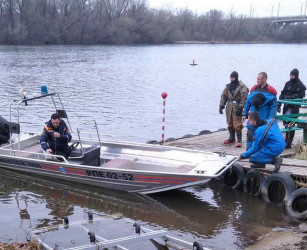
{"type": "Point", "coordinates": [4, 131]}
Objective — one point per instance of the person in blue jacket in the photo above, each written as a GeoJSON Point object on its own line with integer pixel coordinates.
{"type": "Point", "coordinates": [55, 137]}
{"type": "Point", "coordinates": [262, 98]}
{"type": "Point", "coordinates": [267, 145]}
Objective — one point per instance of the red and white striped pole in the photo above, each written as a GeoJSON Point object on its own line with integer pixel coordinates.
{"type": "Point", "coordinates": [164, 95]}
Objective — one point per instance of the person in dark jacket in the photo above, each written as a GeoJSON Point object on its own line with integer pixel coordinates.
{"type": "Point", "coordinates": [234, 97]}
{"type": "Point", "coordinates": [55, 137]}
{"type": "Point", "coordinates": [262, 99]}
{"type": "Point", "coordinates": [267, 145]}
{"type": "Point", "coordinates": [294, 89]}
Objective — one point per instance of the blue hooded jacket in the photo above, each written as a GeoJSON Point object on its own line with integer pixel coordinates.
{"type": "Point", "coordinates": [267, 110]}
{"type": "Point", "coordinates": [272, 143]}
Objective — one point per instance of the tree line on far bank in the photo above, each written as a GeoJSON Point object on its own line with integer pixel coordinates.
{"type": "Point", "coordinates": [129, 21]}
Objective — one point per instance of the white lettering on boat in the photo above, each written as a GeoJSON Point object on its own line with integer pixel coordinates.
{"type": "Point", "coordinates": [110, 175]}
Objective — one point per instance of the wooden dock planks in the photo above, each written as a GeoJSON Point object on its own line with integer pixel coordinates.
{"type": "Point", "coordinates": [214, 143]}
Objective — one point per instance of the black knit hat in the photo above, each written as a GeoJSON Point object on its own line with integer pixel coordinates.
{"type": "Point", "coordinates": [258, 100]}
{"type": "Point", "coordinates": [295, 72]}
{"type": "Point", "coordinates": [235, 75]}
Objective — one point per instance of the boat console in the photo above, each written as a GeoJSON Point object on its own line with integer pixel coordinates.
{"type": "Point", "coordinates": [86, 156]}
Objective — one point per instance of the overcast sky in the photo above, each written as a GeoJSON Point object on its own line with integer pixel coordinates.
{"type": "Point", "coordinates": [259, 8]}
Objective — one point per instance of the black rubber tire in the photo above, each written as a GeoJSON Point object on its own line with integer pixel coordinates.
{"type": "Point", "coordinates": [277, 188]}
{"type": "Point", "coordinates": [205, 132]}
{"type": "Point", "coordinates": [252, 182]}
{"type": "Point", "coordinates": [296, 205]}
{"type": "Point", "coordinates": [170, 139]}
{"type": "Point", "coordinates": [152, 142]}
{"type": "Point", "coordinates": [197, 246]}
{"type": "Point", "coordinates": [233, 177]}
{"type": "Point", "coordinates": [187, 136]}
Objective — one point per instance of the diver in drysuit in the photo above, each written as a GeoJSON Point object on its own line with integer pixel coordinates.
{"type": "Point", "coordinates": [233, 97]}
{"type": "Point", "coordinates": [294, 89]}
{"type": "Point", "coordinates": [264, 103]}
{"type": "Point", "coordinates": [262, 98]}
{"type": "Point", "coordinates": [267, 145]}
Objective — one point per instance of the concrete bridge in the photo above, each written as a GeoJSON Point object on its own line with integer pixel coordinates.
{"type": "Point", "coordinates": [285, 21]}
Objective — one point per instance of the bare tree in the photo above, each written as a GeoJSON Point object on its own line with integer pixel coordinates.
{"type": "Point", "coordinates": [129, 21]}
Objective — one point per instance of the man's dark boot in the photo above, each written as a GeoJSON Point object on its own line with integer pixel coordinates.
{"type": "Point", "coordinates": [288, 140]}
{"type": "Point", "coordinates": [231, 137]}
{"type": "Point", "coordinates": [257, 165]}
{"type": "Point", "coordinates": [239, 139]}
{"type": "Point", "coordinates": [277, 163]}
{"type": "Point", "coordinates": [291, 136]}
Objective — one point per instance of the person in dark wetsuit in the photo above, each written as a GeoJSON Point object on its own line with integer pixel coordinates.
{"type": "Point", "coordinates": [234, 97]}
{"type": "Point", "coordinates": [293, 89]}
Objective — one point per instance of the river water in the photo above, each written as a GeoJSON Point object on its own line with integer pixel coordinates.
{"type": "Point", "coordinates": [120, 87]}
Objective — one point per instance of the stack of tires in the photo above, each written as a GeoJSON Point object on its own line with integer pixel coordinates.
{"type": "Point", "coordinates": [278, 188]}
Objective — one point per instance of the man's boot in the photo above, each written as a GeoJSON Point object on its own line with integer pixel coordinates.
{"type": "Point", "coordinates": [239, 139]}
{"type": "Point", "coordinates": [231, 137]}
{"type": "Point", "coordinates": [288, 140]}
{"type": "Point", "coordinates": [291, 136]}
{"type": "Point", "coordinates": [277, 163]}
{"type": "Point", "coordinates": [257, 165]}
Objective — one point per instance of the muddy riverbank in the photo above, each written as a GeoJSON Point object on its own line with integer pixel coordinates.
{"type": "Point", "coordinates": [282, 239]}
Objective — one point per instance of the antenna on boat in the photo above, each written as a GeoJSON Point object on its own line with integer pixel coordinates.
{"type": "Point", "coordinates": [164, 95]}
{"type": "Point", "coordinates": [23, 94]}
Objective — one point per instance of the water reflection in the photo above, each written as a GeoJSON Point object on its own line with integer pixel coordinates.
{"type": "Point", "coordinates": [212, 213]}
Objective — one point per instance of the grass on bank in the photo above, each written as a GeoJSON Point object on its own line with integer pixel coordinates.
{"type": "Point", "coordinates": [300, 151]}
{"type": "Point", "coordinates": [24, 246]}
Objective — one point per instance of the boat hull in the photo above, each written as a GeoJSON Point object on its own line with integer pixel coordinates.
{"type": "Point", "coordinates": [131, 181]}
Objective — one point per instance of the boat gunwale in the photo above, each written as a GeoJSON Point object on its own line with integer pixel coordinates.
{"type": "Point", "coordinates": [33, 137]}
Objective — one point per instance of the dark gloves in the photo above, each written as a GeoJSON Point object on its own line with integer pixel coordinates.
{"type": "Point", "coordinates": [239, 112]}
{"type": "Point", "coordinates": [221, 110]}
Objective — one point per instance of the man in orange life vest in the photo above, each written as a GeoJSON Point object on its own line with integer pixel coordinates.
{"type": "Point", "coordinates": [55, 137]}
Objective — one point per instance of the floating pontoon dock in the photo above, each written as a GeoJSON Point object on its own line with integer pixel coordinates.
{"type": "Point", "coordinates": [213, 142]}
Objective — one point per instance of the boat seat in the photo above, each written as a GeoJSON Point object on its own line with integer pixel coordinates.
{"type": "Point", "coordinates": [117, 163]}
{"type": "Point", "coordinates": [185, 168]}
{"type": "Point", "coordinates": [90, 156]}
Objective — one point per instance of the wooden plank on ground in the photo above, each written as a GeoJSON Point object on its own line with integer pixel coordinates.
{"type": "Point", "coordinates": [214, 143]}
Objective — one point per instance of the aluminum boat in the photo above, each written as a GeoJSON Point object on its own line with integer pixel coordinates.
{"type": "Point", "coordinates": [132, 167]}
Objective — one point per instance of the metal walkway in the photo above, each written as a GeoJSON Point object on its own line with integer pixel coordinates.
{"type": "Point", "coordinates": [80, 235]}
